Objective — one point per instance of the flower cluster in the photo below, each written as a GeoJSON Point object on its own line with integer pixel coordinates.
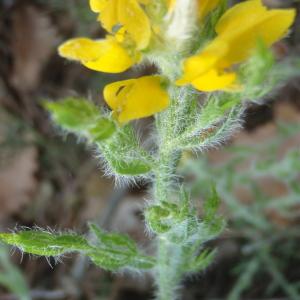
{"type": "Point", "coordinates": [135, 28]}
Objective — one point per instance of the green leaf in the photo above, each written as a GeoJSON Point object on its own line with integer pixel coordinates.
{"type": "Point", "coordinates": [73, 113]}
{"type": "Point", "coordinates": [110, 259]}
{"type": "Point", "coordinates": [80, 116]}
{"type": "Point", "coordinates": [124, 155]}
{"type": "Point", "coordinates": [45, 243]}
{"type": "Point", "coordinates": [202, 261]}
{"type": "Point", "coordinates": [111, 251]}
{"type": "Point", "coordinates": [102, 130]}
{"type": "Point", "coordinates": [214, 223]}
{"type": "Point", "coordinates": [114, 240]}
{"type": "Point", "coordinates": [211, 205]}
{"type": "Point", "coordinates": [133, 167]}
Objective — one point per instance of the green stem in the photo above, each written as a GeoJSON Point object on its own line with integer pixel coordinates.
{"type": "Point", "coordinates": [169, 270]}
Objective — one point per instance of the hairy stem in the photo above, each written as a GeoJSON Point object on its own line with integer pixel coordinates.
{"type": "Point", "coordinates": [170, 258]}
{"type": "Point", "coordinates": [169, 270]}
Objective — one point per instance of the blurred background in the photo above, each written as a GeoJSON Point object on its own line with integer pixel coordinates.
{"type": "Point", "coordinates": [50, 180]}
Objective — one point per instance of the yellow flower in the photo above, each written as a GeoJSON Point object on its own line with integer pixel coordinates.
{"type": "Point", "coordinates": [130, 32]}
{"type": "Point", "coordinates": [238, 31]}
{"type": "Point", "coordinates": [105, 55]}
{"type": "Point", "coordinates": [125, 13]}
{"type": "Point", "coordinates": [136, 98]}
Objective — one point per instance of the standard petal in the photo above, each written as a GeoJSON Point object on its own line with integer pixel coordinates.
{"type": "Point", "coordinates": [109, 15]}
{"type": "Point", "coordinates": [271, 27]}
{"type": "Point", "coordinates": [135, 21]}
{"type": "Point", "coordinates": [245, 23]}
{"type": "Point", "coordinates": [247, 12]}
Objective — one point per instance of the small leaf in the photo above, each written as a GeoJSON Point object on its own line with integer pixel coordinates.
{"type": "Point", "coordinates": [73, 113]}
{"type": "Point", "coordinates": [111, 252]}
{"type": "Point", "coordinates": [45, 243]}
{"type": "Point", "coordinates": [114, 240]}
{"type": "Point", "coordinates": [202, 261]}
{"type": "Point", "coordinates": [124, 154]}
{"type": "Point", "coordinates": [133, 167]}
{"type": "Point", "coordinates": [211, 205]}
{"type": "Point", "coordinates": [82, 117]}
{"type": "Point", "coordinates": [143, 262]}
{"type": "Point", "coordinates": [103, 129]}
{"type": "Point", "coordinates": [110, 259]}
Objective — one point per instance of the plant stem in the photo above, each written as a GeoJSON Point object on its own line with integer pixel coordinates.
{"type": "Point", "coordinates": [169, 270]}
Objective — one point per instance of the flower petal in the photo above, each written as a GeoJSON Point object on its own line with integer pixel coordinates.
{"type": "Point", "coordinates": [135, 21]}
{"type": "Point", "coordinates": [198, 64]}
{"type": "Point", "coordinates": [213, 81]}
{"type": "Point", "coordinates": [109, 15]}
{"type": "Point", "coordinates": [245, 23]}
{"type": "Point", "coordinates": [136, 98]}
{"type": "Point", "coordinates": [101, 55]}
{"type": "Point", "coordinates": [98, 5]}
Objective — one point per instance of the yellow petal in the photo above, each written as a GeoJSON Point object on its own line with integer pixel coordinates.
{"type": "Point", "coordinates": [82, 49]}
{"type": "Point", "coordinates": [98, 5]}
{"type": "Point", "coordinates": [196, 65]}
{"type": "Point", "coordinates": [206, 6]}
{"type": "Point", "coordinates": [115, 94]}
{"type": "Point", "coordinates": [245, 23]}
{"type": "Point", "coordinates": [135, 21]}
{"type": "Point", "coordinates": [101, 55]}
{"type": "Point", "coordinates": [144, 2]}
{"type": "Point", "coordinates": [109, 15]}
{"type": "Point", "coordinates": [170, 4]}
{"type": "Point", "coordinates": [239, 30]}
{"type": "Point", "coordinates": [213, 81]}
{"type": "Point", "coordinates": [136, 98]}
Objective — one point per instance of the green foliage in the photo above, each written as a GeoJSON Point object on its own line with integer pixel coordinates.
{"type": "Point", "coordinates": [262, 75]}
{"type": "Point", "coordinates": [44, 243]}
{"type": "Point", "coordinates": [267, 246]}
{"type": "Point", "coordinates": [110, 251]}
{"type": "Point", "coordinates": [179, 224]}
{"type": "Point", "coordinates": [182, 231]}
{"type": "Point", "coordinates": [118, 146]}
{"type": "Point", "coordinates": [82, 117]}
{"type": "Point", "coordinates": [11, 277]}
{"type": "Point", "coordinates": [124, 155]}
